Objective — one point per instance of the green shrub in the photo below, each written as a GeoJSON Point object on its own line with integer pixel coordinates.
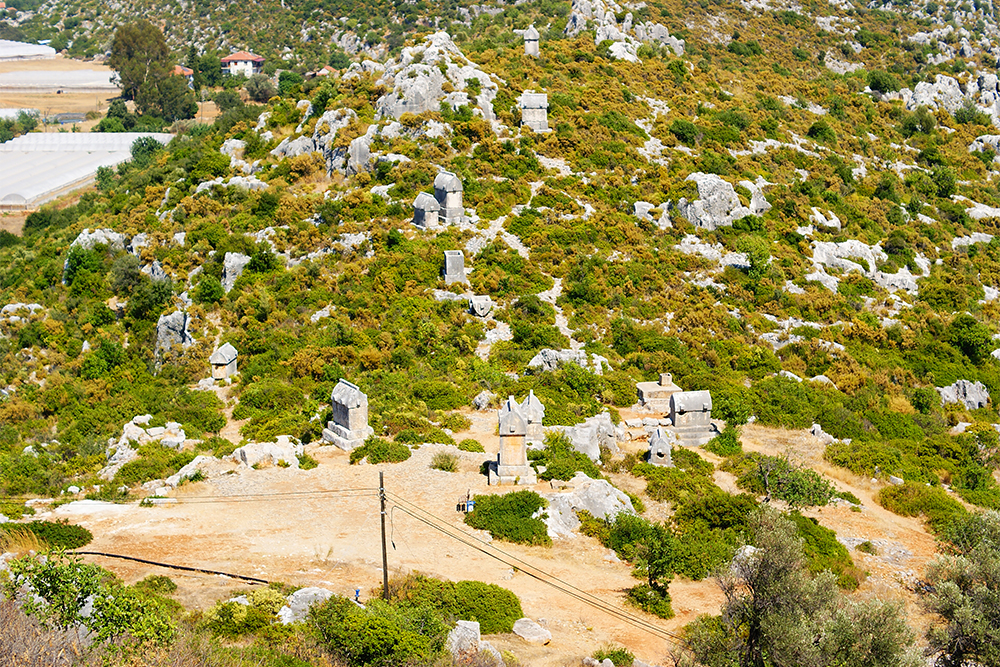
{"type": "Point", "coordinates": [455, 421]}
{"type": "Point", "coordinates": [380, 635]}
{"type": "Point", "coordinates": [307, 462]}
{"type": "Point", "coordinates": [690, 478]}
{"type": "Point", "coordinates": [745, 49]}
{"type": "Point", "coordinates": [509, 517]}
{"type": "Point", "coordinates": [651, 600]}
{"type": "Point", "coordinates": [619, 656]}
{"type": "Point", "coordinates": [685, 131]}
{"type": "Point", "coordinates": [822, 132]}
{"type": "Point", "coordinates": [867, 547]}
{"type": "Point", "coordinates": [377, 450]}
{"type": "Point", "coordinates": [824, 552]}
{"type": "Point", "coordinates": [232, 619]}
{"type": "Point", "coordinates": [883, 82]}
{"type": "Point", "coordinates": [494, 607]}
{"type": "Point", "coordinates": [57, 535]}
{"type": "Point", "coordinates": [561, 461]}
{"type": "Point", "coordinates": [445, 461]}
{"type": "Point", "coordinates": [157, 584]}
{"type": "Point", "coordinates": [726, 443]}
{"type": "Point", "coordinates": [777, 477]}
{"type": "Point", "coordinates": [912, 499]}
{"type": "Point", "coordinates": [470, 445]}
{"type": "Point", "coordinates": [155, 462]}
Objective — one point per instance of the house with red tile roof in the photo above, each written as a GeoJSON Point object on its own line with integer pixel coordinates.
{"type": "Point", "coordinates": [243, 63]}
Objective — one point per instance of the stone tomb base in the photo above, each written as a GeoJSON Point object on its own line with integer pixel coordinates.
{"type": "Point", "coordinates": [694, 436]}
{"type": "Point", "coordinates": [347, 440]}
{"type": "Point", "coordinates": [510, 475]}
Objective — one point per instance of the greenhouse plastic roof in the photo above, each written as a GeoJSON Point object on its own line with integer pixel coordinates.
{"type": "Point", "coordinates": [38, 167]}
{"type": "Point", "coordinates": [83, 81]}
{"type": "Point", "coordinates": [19, 50]}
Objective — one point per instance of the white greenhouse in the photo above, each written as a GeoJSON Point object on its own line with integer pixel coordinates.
{"type": "Point", "coordinates": [38, 167]}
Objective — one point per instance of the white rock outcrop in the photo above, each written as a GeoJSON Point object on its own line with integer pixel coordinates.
{"type": "Point", "coordinates": [548, 359]}
{"type": "Point", "coordinates": [172, 332]}
{"type": "Point", "coordinates": [596, 496]}
{"type": "Point", "coordinates": [591, 435]}
{"type": "Point", "coordinates": [717, 204]}
{"type": "Point", "coordinates": [417, 80]}
{"type": "Point", "coordinates": [297, 604]}
{"type": "Point", "coordinates": [972, 395]}
{"type": "Point", "coordinates": [232, 268]}
{"type": "Point", "coordinates": [626, 37]}
{"type": "Point", "coordinates": [531, 632]}
{"type": "Point", "coordinates": [286, 451]}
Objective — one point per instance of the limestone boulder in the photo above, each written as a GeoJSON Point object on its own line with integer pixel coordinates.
{"type": "Point", "coordinates": [200, 463]}
{"type": "Point", "coordinates": [285, 451]}
{"type": "Point", "coordinates": [596, 496]}
{"type": "Point", "coordinates": [464, 638]}
{"type": "Point", "coordinates": [717, 204]}
{"type": "Point", "coordinates": [87, 239]}
{"type": "Point", "coordinates": [548, 359]}
{"type": "Point", "coordinates": [232, 268]}
{"type": "Point", "coordinates": [945, 93]}
{"type": "Point", "coordinates": [297, 604]}
{"type": "Point", "coordinates": [294, 147]}
{"type": "Point", "coordinates": [172, 332]}
{"type": "Point", "coordinates": [483, 399]}
{"type": "Point", "coordinates": [418, 76]}
{"type": "Point", "coordinates": [531, 632]}
{"type": "Point", "coordinates": [972, 395]}
{"type": "Point", "coordinates": [591, 435]}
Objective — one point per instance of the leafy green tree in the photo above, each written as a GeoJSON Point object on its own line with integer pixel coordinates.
{"type": "Point", "coordinates": [227, 99]}
{"type": "Point", "coordinates": [140, 57]}
{"type": "Point", "coordinates": [966, 597]}
{"type": "Point", "coordinates": [758, 256]}
{"type": "Point", "coordinates": [209, 290]}
{"type": "Point", "coordinates": [339, 59]}
{"type": "Point", "coordinates": [210, 68]}
{"type": "Point", "coordinates": [882, 82]}
{"type": "Point", "coordinates": [775, 615]}
{"type": "Point", "coordinates": [289, 81]}
{"type": "Point", "coordinates": [971, 337]}
{"type": "Point", "coordinates": [143, 67]}
{"type": "Point", "coordinates": [260, 88]}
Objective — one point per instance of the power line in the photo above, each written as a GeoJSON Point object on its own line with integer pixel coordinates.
{"type": "Point", "coordinates": [540, 575]}
{"type": "Point", "coordinates": [533, 571]}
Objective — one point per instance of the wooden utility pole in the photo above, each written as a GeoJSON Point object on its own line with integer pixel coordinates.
{"type": "Point", "coordinates": [385, 556]}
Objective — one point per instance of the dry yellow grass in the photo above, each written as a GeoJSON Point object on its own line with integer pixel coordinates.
{"type": "Point", "coordinates": [20, 541]}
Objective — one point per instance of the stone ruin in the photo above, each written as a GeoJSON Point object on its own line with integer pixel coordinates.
{"type": "Point", "coordinates": [531, 42]}
{"type": "Point", "coordinates": [349, 426]}
{"type": "Point", "coordinates": [511, 466]}
{"type": "Point", "coordinates": [480, 305]}
{"type": "Point", "coordinates": [425, 211]}
{"type": "Point", "coordinates": [223, 362]}
{"type": "Point", "coordinates": [534, 412]}
{"type": "Point", "coordinates": [454, 267]}
{"type": "Point", "coordinates": [535, 111]}
{"type": "Point", "coordinates": [661, 448]}
{"type": "Point", "coordinates": [691, 418]}
{"type": "Point", "coordinates": [448, 192]}
{"type": "Point", "coordinates": [656, 395]}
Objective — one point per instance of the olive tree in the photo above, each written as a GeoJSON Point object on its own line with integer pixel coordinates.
{"type": "Point", "coordinates": [777, 615]}
{"type": "Point", "coordinates": [965, 595]}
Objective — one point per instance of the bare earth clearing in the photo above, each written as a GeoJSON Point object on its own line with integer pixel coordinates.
{"type": "Point", "coordinates": [312, 535]}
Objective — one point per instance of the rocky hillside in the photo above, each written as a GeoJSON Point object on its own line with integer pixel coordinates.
{"type": "Point", "coordinates": [790, 206]}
